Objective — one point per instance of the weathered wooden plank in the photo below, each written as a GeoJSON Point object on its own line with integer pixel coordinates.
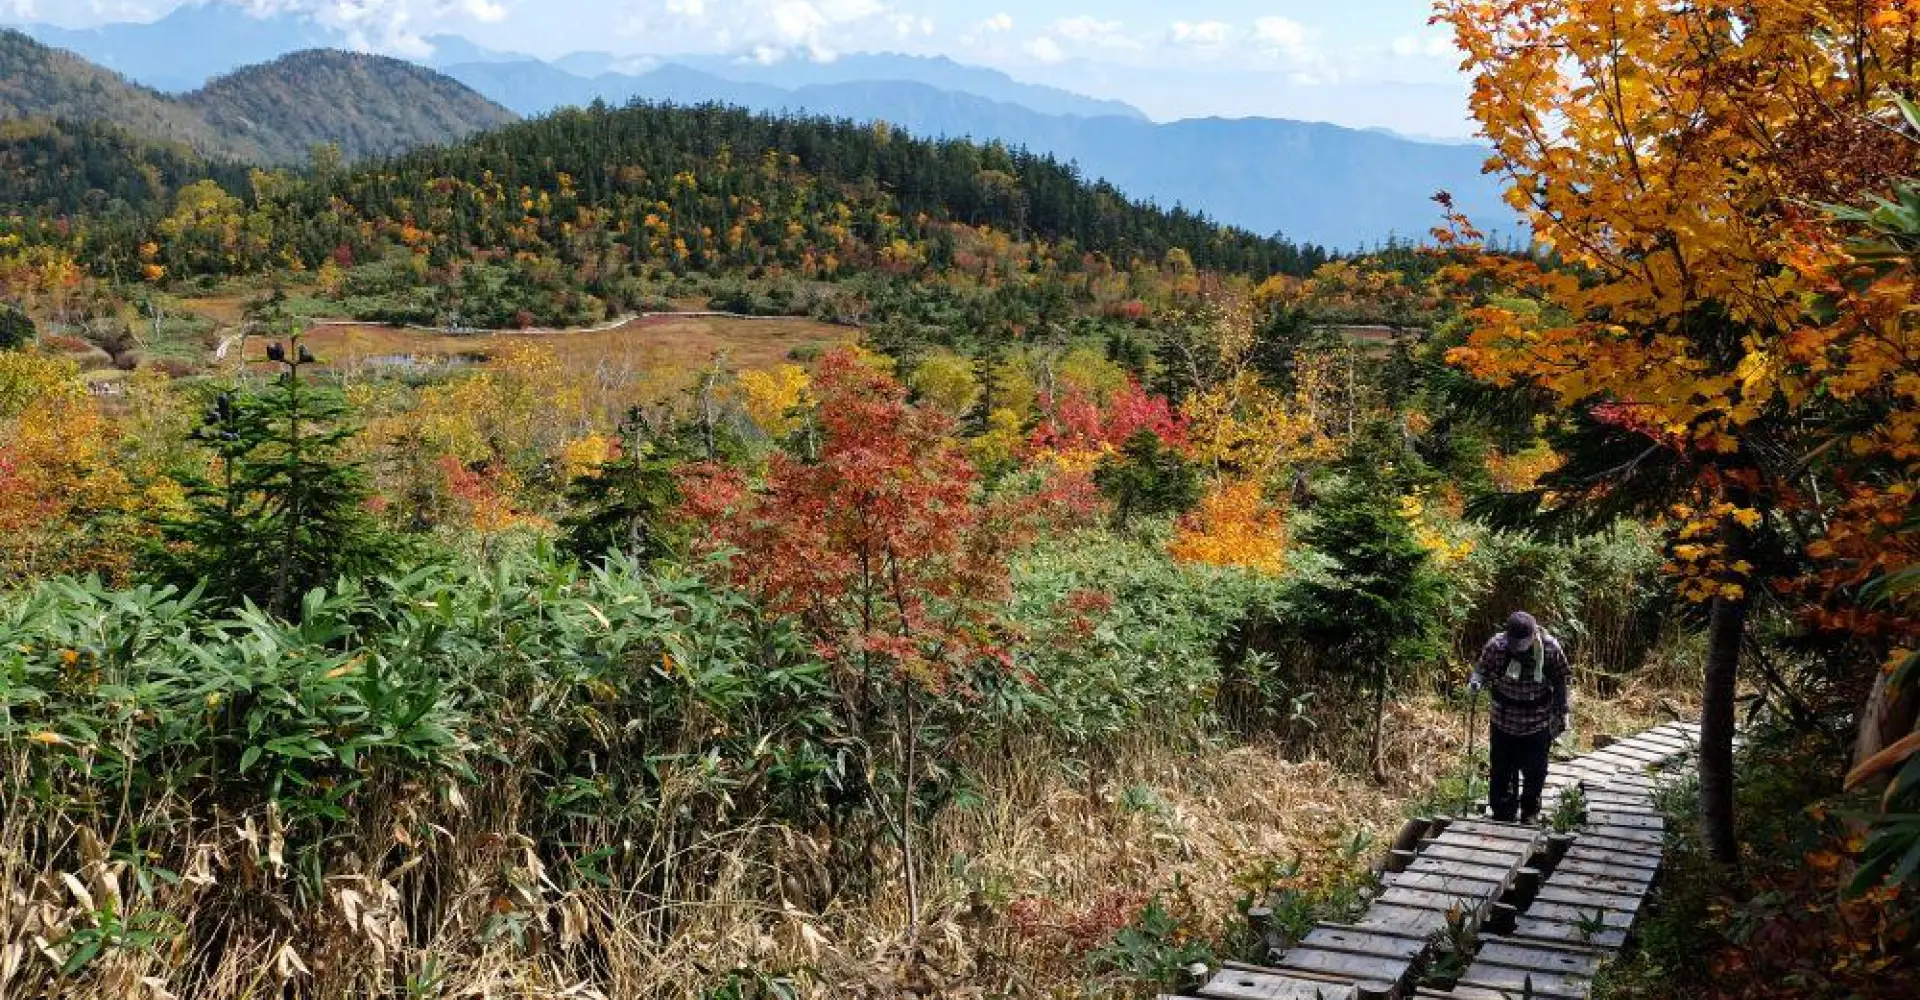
{"type": "Point", "coordinates": [1608, 791]}
{"type": "Point", "coordinates": [1614, 803]}
{"type": "Point", "coordinates": [1462, 869]}
{"type": "Point", "coordinates": [1598, 817]}
{"type": "Point", "coordinates": [1553, 894]}
{"type": "Point", "coordinates": [1674, 743]}
{"type": "Point", "coordinates": [1490, 828]}
{"type": "Point", "coordinates": [1233, 984]}
{"type": "Point", "coordinates": [1443, 884]}
{"type": "Point", "coordinates": [1581, 915]}
{"type": "Point", "coordinates": [1468, 993]}
{"type": "Point", "coordinates": [1633, 835]}
{"type": "Point", "coordinates": [1539, 928]}
{"type": "Point", "coordinates": [1599, 883]}
{"type": "Point", "coordinates": [1544, 985]}
{"type": "Point", "coordinates": [1419, 900]}
{"type": "Point", "coordinates": [1631, 800]}
{"type": "Point", "coordinates": [1471, 855]}
{"type": "Point", "coordinates": [1484, 842]}
{"type": "Point", "coordinates": [1388, 931]}
{"type": "Point", "coordinates": [1401, 919]}
{"type": "Point", "coordinates": [1562, 961]}
{"type": "Point", "coordinates": [1620, 756]}
{"type": "Point", "coordinates": [1641, 752]}
{"type": "Point", "coordinates": [1345, 964]}
{"type": "Point", "coordinates": [1362, 942]}
{"type": "Point", "coordinates": [1625, 873]}
{"type": "Point", "coordinates": [1613, 845]}
{"type": "Point", "coordinates": [1593, 854]}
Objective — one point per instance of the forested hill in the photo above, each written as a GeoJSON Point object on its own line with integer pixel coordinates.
{"type": "Point", "coordinates": [713, 188]}
{"type": "Point", "coordinates": [63, 168]}
{"type": "Point", "coordinates": [274, 113]}
{"type": "Point", "coordinates": [367, 105]}
{"type": "Point", "coordinates": [37, 81]}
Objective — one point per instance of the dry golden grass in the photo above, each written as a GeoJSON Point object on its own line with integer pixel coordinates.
{"type": "Point", "coordinates": [687, 342]}
{"type": "Point", "coordinates": [1062, 848]}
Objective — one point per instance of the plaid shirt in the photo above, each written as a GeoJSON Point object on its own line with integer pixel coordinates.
{"type": "Point", "coordinates": [1525, 706]}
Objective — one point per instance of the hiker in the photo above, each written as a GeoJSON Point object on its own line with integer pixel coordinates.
{"type": "Point", "coordinates": [1526, 672]}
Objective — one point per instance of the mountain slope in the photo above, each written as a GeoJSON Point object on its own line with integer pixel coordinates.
{"type": "Point", "coordinates": [55, 169]}
{"type": "Point", "coordinates": [41, 82]}
{"type": "Point", "coordinates": [723, 190]}
{"type": "Point", "coordinates": [368, 105]}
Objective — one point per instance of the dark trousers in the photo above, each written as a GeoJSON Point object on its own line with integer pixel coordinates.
{"type": "Point", "coordinates": [1519, 771]}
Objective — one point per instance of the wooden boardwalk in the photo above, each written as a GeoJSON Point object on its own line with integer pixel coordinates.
{"type": "Point", "coordinates": [1548, 910]}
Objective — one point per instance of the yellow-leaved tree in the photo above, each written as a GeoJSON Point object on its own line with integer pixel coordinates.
{"type": "Point", "coordinates": [1233, 526]}
{"type": "Point", "coordinates": [775, 398]}
{"type": "Point", "coordinates": [60, 486]}
{"type": "Point", "coordinates": [1671, 155]}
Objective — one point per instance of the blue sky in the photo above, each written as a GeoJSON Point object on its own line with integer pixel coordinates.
{"type": "Point", "coordinates": [1357, 62]}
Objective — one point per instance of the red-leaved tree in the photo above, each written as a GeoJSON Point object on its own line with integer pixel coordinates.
{"type": "Point", "coordinates": [884, 549]}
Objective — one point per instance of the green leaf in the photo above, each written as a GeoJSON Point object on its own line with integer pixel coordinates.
{"type": "Point", "coordinates": [81, 956]}
{"type": "Point", "coordinates": [1908, 110]}
{"type": "Point", "coordinates": [248, 758]}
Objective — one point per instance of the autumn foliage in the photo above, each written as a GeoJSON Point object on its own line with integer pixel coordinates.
{"type": "Point", "coordinates": [880, 545]}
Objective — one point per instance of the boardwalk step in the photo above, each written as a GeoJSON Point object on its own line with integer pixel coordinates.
{"type": "Point", "coordinates": [1237, 985]}
{"type": "Point", "coordinates": [1532, 927]}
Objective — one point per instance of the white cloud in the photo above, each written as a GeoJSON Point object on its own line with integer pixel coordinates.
{"type": "Point", "coordinates": [687, 8]}
{"type": "Point", "coordinates": [1084, 28]}
{"type": "Point", "coordinates": [1284, 35]}
{"type": "Point", "coordinates": [1432, 46]}
{"type": "Point", "coordinates": [1046, 50]}
{"type": "Point", "coordinates": [907, 25]}
{"type": "Point", "coordinates": [1000, 23]}
{"type": "Point", "coordinates": [486, 11]}
{"type": "Point", "coordinates": [1203, 34]}
{"type": "Point", "coordinates": [1091, 32]}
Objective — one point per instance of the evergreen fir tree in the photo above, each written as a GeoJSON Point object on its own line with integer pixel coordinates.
{"type": "Point", "coordinates": [284, 511]}
{"type": "Point", "coordinates": [1147, 478]}
{"type": "Point", "coordinates": [621, 506]}
{"type": "Point", "coordinates": [16, 327]}
{"type": "Point", "coordinates": [1378, 604]}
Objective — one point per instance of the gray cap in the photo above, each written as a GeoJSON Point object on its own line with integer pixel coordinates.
{"type": "Point", "coordinates": [1521, 625]}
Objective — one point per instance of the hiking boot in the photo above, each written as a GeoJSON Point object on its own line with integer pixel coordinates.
{"type": "Point", "coordinates": [1530, 819]}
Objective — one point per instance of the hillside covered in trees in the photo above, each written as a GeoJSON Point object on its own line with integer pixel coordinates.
{"type": "Point", "coordinates": [274, 113]}
{"type": "Point", "coordinates": [585, 215]}
{"type": "Point", "coordinates": [683, 553]}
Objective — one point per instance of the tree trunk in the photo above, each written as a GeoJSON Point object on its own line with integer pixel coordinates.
{"type": "Point", "coordinates": [1726, 625]}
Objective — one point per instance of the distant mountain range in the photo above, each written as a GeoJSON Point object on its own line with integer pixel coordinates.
{"type": "Point", "coordinates": [197, 42]}
{"type": "Point", "coordinates": [1325, 184]}
{"type": "Point", "coordinates": [1314, 183]}
{"type": "Point", "coordinates": [268, 114]}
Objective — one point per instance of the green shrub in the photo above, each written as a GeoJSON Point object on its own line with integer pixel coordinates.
{"type": "Point", "coordinates": [1117, 633]}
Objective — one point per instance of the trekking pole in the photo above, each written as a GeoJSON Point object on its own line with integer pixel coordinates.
{"type": "Point", "coordinates": [1473, 728]}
